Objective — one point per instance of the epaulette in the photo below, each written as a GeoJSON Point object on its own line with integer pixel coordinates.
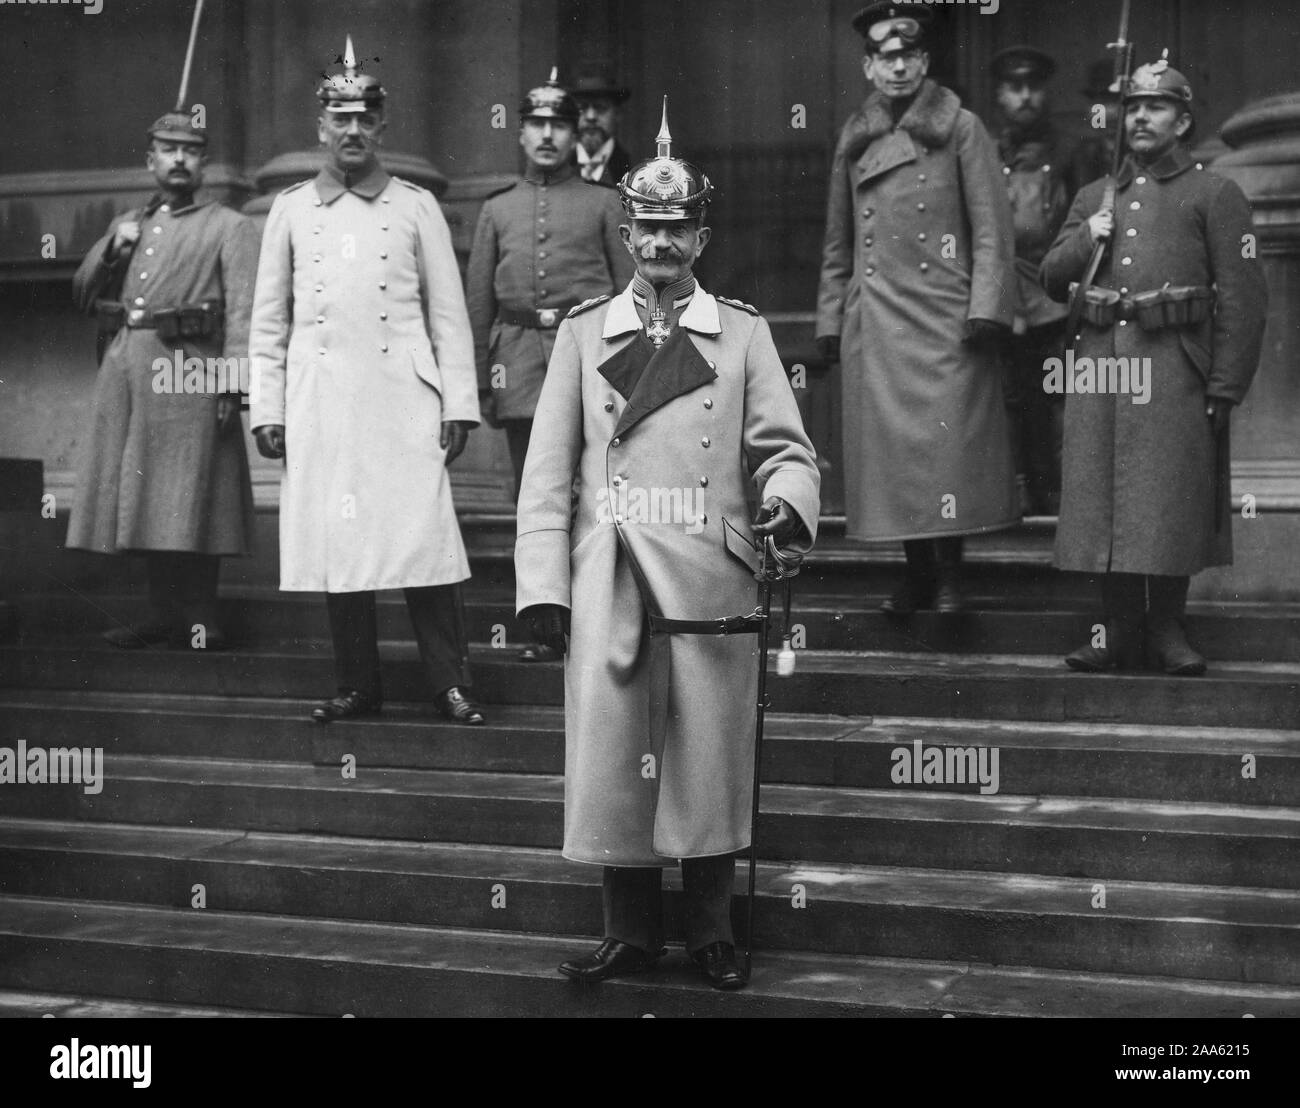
{"type": "Point", "coordinates": [736, 304]}
{"type": "Point", "coordinates": [580, 308]}
{"type": "Point", "coordinates": [503, 188]}
{"type": "Point", "coordinates": [409, 184]}
{"type": "Point", "coordinates": [295, 188]}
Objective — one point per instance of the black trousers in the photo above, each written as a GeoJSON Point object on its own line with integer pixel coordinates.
{"type": "Point", "coordinates": [183, 586]}
{"type": "Point", "coordinates": [1037, 418]}
{"type": "Point", "coordinates": [517, 432]}
{"type": "Point", "coordinates": [438, 617]}
{"type": "Point", "coordinates": [634, 903]}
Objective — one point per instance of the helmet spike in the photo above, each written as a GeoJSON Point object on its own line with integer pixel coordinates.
{"type": "Point", "coordinates": [664, 140]}
{"type": "Point", "coordinates": [349, 59]}
{"type": "Point", "coordinates": [554, 78]}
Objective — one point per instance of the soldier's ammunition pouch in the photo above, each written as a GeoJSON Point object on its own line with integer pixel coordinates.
{"type": "Point", "coordinates": [184, 321]}
{"type": "Point", "coordinates": [1169, 307]}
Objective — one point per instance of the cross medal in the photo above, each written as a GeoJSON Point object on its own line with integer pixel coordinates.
{"type": "Point", "coordinates": [657, 330]}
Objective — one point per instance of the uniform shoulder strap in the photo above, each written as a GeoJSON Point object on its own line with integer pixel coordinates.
{"type": "Point", "coordinates": [736, 304]}
{"type": "Point", "coordinates": [586, 305]}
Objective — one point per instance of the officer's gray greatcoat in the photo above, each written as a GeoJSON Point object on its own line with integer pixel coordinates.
{"type": "Point", "coordinates": [711, 412]}
{"type": "Point", "coordinates": [1138, 480]}
{"type": "Point", "coordinates": [155, 473]}
{"type": "Point", "coordinates": [361, 347]}
{"type": "Point", "coordinates": [918, 241]}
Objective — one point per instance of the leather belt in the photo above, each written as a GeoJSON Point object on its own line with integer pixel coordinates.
{"type": "Point", "coordinates": [751, 624]}
{"type": "Point", "coordinates": [540, 319]}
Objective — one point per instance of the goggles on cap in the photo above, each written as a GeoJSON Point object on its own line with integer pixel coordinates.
{"type": "Point", "coordinates": [903, 26]}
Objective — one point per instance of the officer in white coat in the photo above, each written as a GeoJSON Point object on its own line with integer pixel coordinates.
{"type": "Point", "coordinates": [363, 381]}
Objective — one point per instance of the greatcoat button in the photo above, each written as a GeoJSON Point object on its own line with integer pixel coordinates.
{"type": "Point", "coordinates": [708, 402]}
{"type": "Point", "coordinates": [925, 266]}
{"type": "Point", "coordinates": [317, 202]}
{"type": "Point", "coordinates": [383, 253]}
{"type": "Point", "coordinates": [920, 176]}
{"type": "Point", "coordinates": [383, 315]}
{"type": "Point", "coordinates": [320, 288]}
{"type": "Point", "coordinates": [1141, 180]}
{"type": "Point", "coordinates": [921, 236]}
{"type": "Point", "coordinates": [541, 273]}
{"type": "Point", "coordinates": [704, 482]}
{"type": "Point", "coordinates": [1123, 322]}
{"type": "Point", "coordinates": [921, 206]}
{"type": "Point", "coordinates": [867, 241]}
{"type": "Point", "coordinates": [1135, 205]}
{"type": "Point", "coordinates": [322, 350]}
{"type": "Point", "coordinates": [704, 442]}
{"type": "Point", "coordinates": [384, 348]}
{"type": "Point", "coordinates": [712, 365]}
{"type": "Point", "coordinates": [609, 405]}
{"type": "Point", "coordinates": [1126, 261]}
{"type": "Point", "coordinates": [383, 226]}
{"type": "Point", "coordinates": [149, 250]}
{"type": "Point", "coordinates": [139, 301]}
{"type": "Point", "coordinates": [144, 276]}
{"type": "Point", "coordinates": [315, 230]}
{"type": "Point", "coordinates": [383, 284]}
{"type": "Point", "coordinates": [157, 230]}
{"type": "Point", "coordinates": [320, 319]}
{"type": "Point", "coordinates": [868, 212]}
{"type": "Point", "coordinates": [615, 442]}
{"type": "Point", "coordinates": [870, 270]}
{"type": "Point", "coordinates": [1131, 232]}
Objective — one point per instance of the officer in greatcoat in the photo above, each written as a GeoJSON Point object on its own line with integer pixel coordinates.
{"type": "Point", "coordinates": [917, 293]}
{"type": "Point", "coordinates": [1171, 337]}
{"type": "Point", "coordinates": [363, 381]}
{"type": "Point", "coordinates": [542, 246]}
{"type": "Point", "coordinates": [164, 471]}
{"type": "Point", "coordinates": [672, 410]}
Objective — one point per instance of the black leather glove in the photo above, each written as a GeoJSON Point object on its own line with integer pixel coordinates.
{"type": "Point", "coordinates": [549, 624]}
{"type": "Point", "coordinates": [776, 518]}
{"type": "Point", "coordinates": [828, 346]}
{"type": "Point", "coordinates": [227, 414]}
{"type": "Point", "coordinates": [270, 440]}
{"type": "Point", "coordinates": [1218, 410]}
{"type": "Point", "coordinates": [984, 334]}
{"type": "Point", "coordinates": [455, 434]}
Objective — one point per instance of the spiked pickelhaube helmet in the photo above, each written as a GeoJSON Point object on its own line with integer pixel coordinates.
{"type": "Point", "coordinates": [665, 187]}
{"type": "Point", "coordinates": [351, 90]}
{"type": "Point", "coordinates": [550, 101]}
{"type": "Point", "coordinates": [1159, 80]}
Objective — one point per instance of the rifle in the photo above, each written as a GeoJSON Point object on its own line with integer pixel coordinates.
{"type": "Point", "coordinates": [1123, 50]}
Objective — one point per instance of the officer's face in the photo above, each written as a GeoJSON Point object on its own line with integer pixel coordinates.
{"type": "Point", "coordinates": [1154, 126]}
{"type": "Point", "coordinates": [664, 250]}
{"type": "Point", "coordinates": [351, 138]}
{"type": "Point", "coordinates": [1022, 102]}
{"type": "Point", "coordinates": [897, 74]}
{"type": "Point", "coordinates": [176, 166]}
{"type": "Point", "coordinates": [547, 143]}
{"type": "Point", "coordinates": [598, 122]}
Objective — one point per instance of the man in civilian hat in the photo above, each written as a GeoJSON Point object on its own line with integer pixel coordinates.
{"type": "Point", "coordinates": [165, 472]}
{"type": "Point", "coordinates": [671, 409]}
{"type": "Point", "coordinates": [542, 245]}
{"type": "Point", "coordinates": [916, 294]}
{"type": "Point", "coordinates": [600, 158]}
{"type": "Point", "coordinates": [1038, 165]}
{"type": "Point", "coordinates": [1170, 340]}
{"type": "Point", "coordinates": [363, 381]}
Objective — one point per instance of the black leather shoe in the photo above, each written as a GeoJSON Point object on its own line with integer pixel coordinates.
{"type": "Point", "coordinates": [948, 597]}
{"type": "Point", "coordinates": [138, 635]}
{"type": "Point", "coordinates": [611, 959]}
{"type": "Point", "coordinates": [911, 596]}
{"type": "Point", "coordinates": [718, 960]}
{"type": "Point", "coordinates": [536, 652]}
{"type": "Point", "coordinates": [1172, 652]}
{"type": "Point", "coordinates": [457, 707]}
{"type": "Point", "coordinates": [348, 706]}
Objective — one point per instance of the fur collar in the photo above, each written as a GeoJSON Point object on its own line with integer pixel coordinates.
{"type": "Point", "coordinates": [929, 119]}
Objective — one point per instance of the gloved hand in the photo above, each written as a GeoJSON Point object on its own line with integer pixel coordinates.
{"type": "Point", "coordinates": [549, 624]}
{"type": "Point", "coordinates": [828, 346]}
{"type": "Point", "coordinates": [1218, 410]}
{"type": "Point", "coordinates": [776, 518]}
{"type": "Point", "coordinates": [984, 334]}
{"type": "Point", "coordinates": [455, 434]}
{"type": "Point", "coordinates": [227, 414]}
{"type": "Point", "coordinates": [487, 406]}
{"type": "Point", "coordinates": [1100, 225]}
{"type": "Point", "coordinates": [270, 440]}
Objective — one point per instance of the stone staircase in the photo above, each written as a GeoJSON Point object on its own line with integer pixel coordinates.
{"type": "Point", "coordinates": [431, 883]}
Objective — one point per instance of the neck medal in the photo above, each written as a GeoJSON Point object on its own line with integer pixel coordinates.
{"type": "Point", "coordinates": [657, 330]}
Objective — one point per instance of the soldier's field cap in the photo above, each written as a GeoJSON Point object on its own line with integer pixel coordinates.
{"type": "Point", "coordinates": [1159, 80]}
{"type": "Point", "coordinates": [549, 101]}
{"type": "Point", "coordinates": [178, 127]}
{"type": "Point", "coordinates": [599, 83]}
{"type": "Point", "coordinates": [887, 27]}
{"type": "Point", "coordinates": [351, 90]}
{"type": "Point", "coordinates": [1023, 63]}
{"type": "Point", "coordinates": [664, 187]}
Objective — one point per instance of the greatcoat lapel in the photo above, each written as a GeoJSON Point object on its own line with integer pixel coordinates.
{"type": "Point", "coordinates": [674, 369]}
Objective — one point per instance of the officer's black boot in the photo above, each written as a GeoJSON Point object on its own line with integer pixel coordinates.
{"type": "Point", "coordinates": [163, 617]}
{"type": "Point", "coordinates": [196, 590]}
{"type": "Point", "coordinates": [1166, 636]}
{"type": "Point", "coordinates": [917, 589]}
{"type": "Point", "coordinates": [947, 593]}
{"type": "Point", "coordinates": [1118, 643]}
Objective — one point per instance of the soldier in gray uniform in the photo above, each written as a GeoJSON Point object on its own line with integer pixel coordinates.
{"type": "Point", "coordinates": [542, 245]}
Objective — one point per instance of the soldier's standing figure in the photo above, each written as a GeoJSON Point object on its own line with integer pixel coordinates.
{"type": "Point", "coordinates": [363, 381]}
{"type": "Point", "coordinates": [600, 157]}
{"type": "Point", "coordinates": [1038, 163]}
{"type": "Point", "coordinates": [917, 293]}
{"type": "Point", "coordinates": [164, 471]}
{"type": "Point", "coordinates": [542, 246]}
{"type": "Point", "coordinates": [1177, 311]}
{"type": "Point", "coordinates": [672, 409]}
